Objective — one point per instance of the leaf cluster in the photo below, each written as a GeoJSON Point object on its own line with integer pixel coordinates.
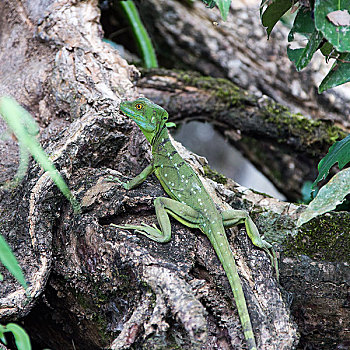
{"type": "Point", "coordinates": [324, 25]}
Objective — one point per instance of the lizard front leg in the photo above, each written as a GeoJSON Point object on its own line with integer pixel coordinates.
{"type": "Point", "coordinates": [137, 180]}
{"type": "Point", "coordinates": [164, 206]}
{"type": "Point", "coordinates": [232, 218]}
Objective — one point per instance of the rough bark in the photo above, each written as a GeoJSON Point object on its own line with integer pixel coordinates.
{"type": "Point", "coordinates": [94, 286]}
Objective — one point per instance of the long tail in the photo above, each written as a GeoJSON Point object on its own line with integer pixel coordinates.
{"type": "Point", "coordinates": [219, 241]}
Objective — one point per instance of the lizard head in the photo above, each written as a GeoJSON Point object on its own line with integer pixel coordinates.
{"type": "Point", "coordinates": [147, 115]}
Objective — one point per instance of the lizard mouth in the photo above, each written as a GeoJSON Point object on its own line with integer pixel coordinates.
{"type": "Point", "coordinates": [131, 114]}
{"type": "Point", "coordinates": [139, 119]}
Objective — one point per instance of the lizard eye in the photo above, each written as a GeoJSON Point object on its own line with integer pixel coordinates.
{"type": "Point", "coordinates": [138, 106]}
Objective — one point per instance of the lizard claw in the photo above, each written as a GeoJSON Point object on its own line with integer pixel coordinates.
{"type": "Point", "coordinates": [111, 178]}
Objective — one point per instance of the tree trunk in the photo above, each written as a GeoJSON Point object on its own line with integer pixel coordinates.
{"type": "Point", "coordinates": [94, 286]}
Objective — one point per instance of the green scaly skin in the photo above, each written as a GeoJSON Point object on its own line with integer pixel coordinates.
{"type": "Point", "coordinates": [189, 202]}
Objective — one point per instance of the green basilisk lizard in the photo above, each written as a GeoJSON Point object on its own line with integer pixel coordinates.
{"type": "Point", "coordinates": [189, 202]}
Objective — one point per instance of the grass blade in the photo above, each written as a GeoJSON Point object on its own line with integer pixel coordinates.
{"type": "Point", "coordinates": [16, 119]}
{"type": "Point", "coordinates": [10, 262]}
{"type": "Point", "coordinates": [143, 40]}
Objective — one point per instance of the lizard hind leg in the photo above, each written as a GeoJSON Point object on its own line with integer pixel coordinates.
{"type": "Point", "coordinates": [165, 206]}
{"type": "Point", "coordinates": [231, 218]}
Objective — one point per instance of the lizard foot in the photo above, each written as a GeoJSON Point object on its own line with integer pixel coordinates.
{"type": "Point", "coordinates": [152, 232]}
{"type": "Point", "coordinates": [117, 180]}
{"type": "Point", "coordinates": [270, 251]}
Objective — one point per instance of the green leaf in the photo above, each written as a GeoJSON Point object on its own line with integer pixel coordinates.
{"type": "Point", "coordinates": [2, 337]}
{"type": "Point", "coordinates": [329, 196]}
{"type": "Point", "coordinates": [16, 119]}
{"type": "Point", "coordinates": [2, 332]}
{"type": "Point", "coordinates": [338, 74]}
{"type": "Point", "coordinates": [294, 55]}
{"type": "Point", "coordinates": [303, 24]}
{"type": "Point", "coordinates": [143, 40]}
{"type": "Point", "coordinates": [302, 57]}
{"type": "Point", "coordinates": [224, 7]}
{"type": "Point", "coordinates": [209, 3]}
{"type": "Point", "coordinates": [327, 49]}
{"type": "Point", "coordinates": [21, 337]}
{"type": "Point", "coordinates": [337, 35]}
{"type": "Point", "coordinates": [274, 12]}
{"type": "Point", "coordinates": [170, 125]}
{"type": "Point", "coordinates": [339, 153]}
{"type": "Point", "coordinates": [10, 262]}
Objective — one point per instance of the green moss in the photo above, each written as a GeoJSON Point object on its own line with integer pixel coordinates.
{"type": "Point", "coordinates": [102, 324]}
{"type": "Point", "coordinates": [214, 175]}
{"type": "Point", "coordinates": [224, 90]}
{"type": "Point", "coordinates": [310, 131]}
{"type": "Point", "coordinates": [282, 118]}
{"type": "Point", "coordinates": [323, 239]}
{"type": "Point", "coordinates": [335, 134]}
